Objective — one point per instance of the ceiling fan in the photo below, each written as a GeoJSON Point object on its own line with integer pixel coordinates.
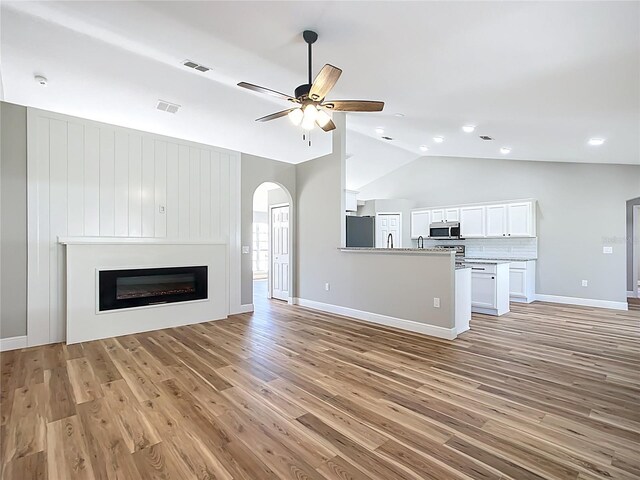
{"type": "Point", "coordinates": [311, 107]}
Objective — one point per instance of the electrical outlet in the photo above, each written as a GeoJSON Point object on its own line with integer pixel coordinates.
{"type": "Point", "coordinates": [436, 302]}
{"type": "Point", "coordinates": [607, 249]}
{"type": "Point", "coordinates": [585, 283]}
{"type": "Point", "coordinates": [246, 249]}
{"type": "Point", "coordinates": [327, 287]}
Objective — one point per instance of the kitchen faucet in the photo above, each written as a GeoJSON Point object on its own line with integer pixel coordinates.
{"type": "Point", "coordinates": [390, 240]}
{"type": "Point", "coordinates": [420, 242]}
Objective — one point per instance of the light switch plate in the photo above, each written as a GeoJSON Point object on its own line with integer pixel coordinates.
{"type": "Point", "coordinates": [607, 249]}
{"type": "Point", "coordinates": [161, 208]}
{"type": "Point", "coordinates": [436, 302]}
{"type": "Point", "coordinates": [246, 249]}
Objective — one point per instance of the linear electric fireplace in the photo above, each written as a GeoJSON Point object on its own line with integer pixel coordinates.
{"type": "Point", "coordinates": [151, 286]}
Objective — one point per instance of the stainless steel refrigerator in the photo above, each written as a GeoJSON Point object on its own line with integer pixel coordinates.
{"type": "Point", "coordinates": [361, 231]}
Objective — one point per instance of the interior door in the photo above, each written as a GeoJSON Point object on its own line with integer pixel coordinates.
{"type": "Point", "coordinates": [280, 252]}
{"type": "Point", "coordinates": [388, 224]}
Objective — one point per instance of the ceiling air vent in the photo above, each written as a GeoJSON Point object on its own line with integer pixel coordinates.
{"type": "Point", "coordinates": [485, 137]}
{"type": "Point", "coordinates": [167, 106]}
{"type": "Point", "coordinates": [195, 66]}
{"type": "Point", "coordinates": [388, 139]}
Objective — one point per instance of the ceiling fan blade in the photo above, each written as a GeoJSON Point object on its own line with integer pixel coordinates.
{"type": "Point", "coordinates": [324, 82]}
{"type": "Point", "coordinates": [328, 126]}
{"type": "Point", "coordinates": [267, 91]}
{"type": "Point", "coordinates": [273, 116]}
{"type": "Point", "coordinates": [354, 105]}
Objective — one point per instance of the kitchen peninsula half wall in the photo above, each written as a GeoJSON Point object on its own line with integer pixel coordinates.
{"type": "Point", "coordinates": [415, 290]}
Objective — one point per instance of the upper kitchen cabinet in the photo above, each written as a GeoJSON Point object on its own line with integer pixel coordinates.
{"type": "Point", "coordinates": [420, 220]}
{"type": "Point", "coordinates": [472, 221]}
{"type": "Point", "coordinates": [487, 220]}
{"type": "Point", "coordinates": [521, 219]}
{"type": "Point", "coordinates": [350, 201]}
{"type": "Point", "coordinates": [511, 220]}
{"type": "Point", "coordinates": [496, 216]}
{"type": "Point", "coordinates": [445, 215]}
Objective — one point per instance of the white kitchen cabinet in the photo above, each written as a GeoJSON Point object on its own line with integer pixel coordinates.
{"type": "Point", "coordinates": [350, 201]}
{"type": "Point", "coordinates": [452, 215]}
{"type": "Point", "coordinates": [483, 290]}
{"type": "Point", "coordinates": [490, 288]}
{"type": "Point", "coordinates": [445, 215]}
{"type": "Point", "coordinates": [522, 281]}
{"type": "Point", "coordinates": [496, 216]}
{"type": "Point", "coordinates": [488, 220]}
{"type": "Point", "coordinates": [520, 220]}
{"type": "Point", "coordinates": [437, 215]}
{"type": "Point", "coordinates": [420, 220]}
{"type": "Point", "coordinates": [472, 223]}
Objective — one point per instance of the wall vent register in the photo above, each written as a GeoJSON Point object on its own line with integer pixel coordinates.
{"type": "Point", "coordinates": [151, 286]}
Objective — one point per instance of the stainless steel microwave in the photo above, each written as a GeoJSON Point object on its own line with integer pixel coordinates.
{"type": "Point", "coordinates": [444, 230]}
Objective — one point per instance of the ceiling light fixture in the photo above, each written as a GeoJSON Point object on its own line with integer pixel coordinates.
{"type": "Point", "coordinates": [468, 128]}
{"type": "Point", "coordinates": [41, 80]}
{"type": "Point", "coordinates": [438, 139]}
{"type": "Point", "coordinates": [296, 116]}
{"type": "Point", "coordinates": [596, 142]}
{"type": "Point", "coordinates": [400, 115]}
{"type": "Point", "coordinates": [380, 130]}
{"type": "Point", "coordinates": [424, 148]}
{"type": "Point", "coordinates": [505, 150]}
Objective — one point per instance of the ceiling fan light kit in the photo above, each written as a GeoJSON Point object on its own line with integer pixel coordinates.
{"type": "Point", "coordinates": [311, 109]}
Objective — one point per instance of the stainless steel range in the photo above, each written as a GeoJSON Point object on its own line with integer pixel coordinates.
{"type": "Point", "coordinates": [459, 249]}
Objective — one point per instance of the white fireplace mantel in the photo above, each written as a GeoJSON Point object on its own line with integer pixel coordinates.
{"type": "Point", "coordinates": [138, 240]}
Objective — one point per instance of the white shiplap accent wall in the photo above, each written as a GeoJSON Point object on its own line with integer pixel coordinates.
{"type": "Point", "coordinates": [91, 179]}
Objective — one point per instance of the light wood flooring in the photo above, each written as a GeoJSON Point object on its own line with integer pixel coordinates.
{"type": "Point", "coordinates": [545, 392]}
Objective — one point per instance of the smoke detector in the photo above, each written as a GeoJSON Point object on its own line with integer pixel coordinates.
{"type": "Point", "coordinates": [41, 80]}
{"type": "Point", "coordinates": [167, 106]}
{"type": "Point", "coordinates": [196, 66]}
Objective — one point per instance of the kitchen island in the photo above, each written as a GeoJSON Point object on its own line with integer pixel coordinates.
{"type": "Point", "coordinates": [421, 290]}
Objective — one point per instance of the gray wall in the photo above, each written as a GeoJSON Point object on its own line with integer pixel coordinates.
{"type": "Point", "coordinates": [13, 220]}
{"type": "Point", "coordinates": [581, 208]}
{"type": "Point", "coordinates": [630, 237]}
{"type": "Point", "coordinates": [401, 286]}
{"type": "Point", "coordinates": [255, 171]}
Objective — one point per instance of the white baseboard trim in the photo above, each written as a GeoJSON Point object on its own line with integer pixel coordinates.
{"type": "Point", "coordinates": [585, 302]}
{"type": "Point", "coordinates": [13, 343]}
{"type": "Point", "coordinates": [412, 326]}
{"type": "Point", "coordinates": [244, 308]}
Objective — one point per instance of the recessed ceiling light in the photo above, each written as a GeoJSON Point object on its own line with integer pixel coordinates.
{"type": "Point", "coordinates": [485, 137]}
{"type": "Point", "coordinates": [379, 130]}
{"type": "Point", "coordinates": [596, 142]}
{"type": "Point", "coordinates": [468, 128]}
{"type": "Point", "coordinates": [424, 148]}
{"type": "Point", "coordinates": [398, 114]}
{"type": "Point", "coordinates": [505, 150]}
{"type": "Point", "coordinates": [41, 80]}
{"type": "Point", "coordinates": [438, 139]}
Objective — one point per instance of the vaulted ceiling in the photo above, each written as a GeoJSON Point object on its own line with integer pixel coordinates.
{"type": "Point", "coordinates": [539, 77]}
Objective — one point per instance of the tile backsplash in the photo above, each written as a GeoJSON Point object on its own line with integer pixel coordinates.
{"type": "Point", "coordinates": [492, 247]}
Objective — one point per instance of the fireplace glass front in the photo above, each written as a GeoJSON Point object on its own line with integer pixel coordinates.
{"type": "Point", "coordinates": [151, 286]}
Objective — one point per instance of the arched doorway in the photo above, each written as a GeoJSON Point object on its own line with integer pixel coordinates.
{"type": "Point", "coordinates": [272, 244]}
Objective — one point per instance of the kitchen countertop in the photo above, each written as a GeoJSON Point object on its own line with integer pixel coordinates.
{"type": "Point", "coordinates": [417, 251]}
{"type": "Point", "coordinates": [492, 260]}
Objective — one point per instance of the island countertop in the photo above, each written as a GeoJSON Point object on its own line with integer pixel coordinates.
{"type": "Point", "coordinates": [414, 251]}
